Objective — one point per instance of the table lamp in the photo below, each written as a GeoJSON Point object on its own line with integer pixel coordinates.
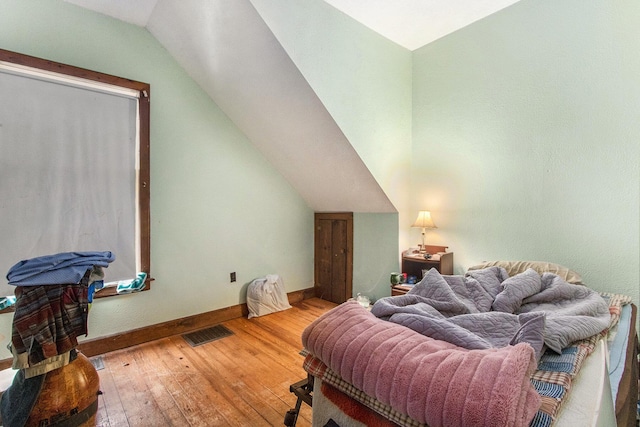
{"type": "Point", "coordinates": [423, 221]}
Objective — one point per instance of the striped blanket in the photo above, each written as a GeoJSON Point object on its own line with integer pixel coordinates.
{"type": "Point", "coordinates": [552, 379]}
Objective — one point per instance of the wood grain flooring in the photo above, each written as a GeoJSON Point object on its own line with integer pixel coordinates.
{"type": "Point", "coordinates": [239, 380]}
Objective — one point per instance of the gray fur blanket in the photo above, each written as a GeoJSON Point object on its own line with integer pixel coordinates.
{"type": "Point", "coordinates": [488, 309]}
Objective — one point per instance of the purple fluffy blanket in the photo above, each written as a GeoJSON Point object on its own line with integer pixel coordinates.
{"type": "Point", "coordinates": [488, 309]}
{"type": "Point", "coordinates": [432, 381]}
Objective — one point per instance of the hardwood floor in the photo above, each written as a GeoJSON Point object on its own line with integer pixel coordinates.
{"type": "Point", "coordinates": [239, 380]}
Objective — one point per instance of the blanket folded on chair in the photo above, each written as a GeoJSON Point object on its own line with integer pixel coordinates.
{"type": "Point", "coordinates": [432, 381]}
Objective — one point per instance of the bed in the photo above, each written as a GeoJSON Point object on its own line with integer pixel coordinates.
{"type": "Point", "coordinates": [372, 368]}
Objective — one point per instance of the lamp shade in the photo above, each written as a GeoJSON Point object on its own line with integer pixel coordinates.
{"type": "Point", "coordinates": [424, 220]}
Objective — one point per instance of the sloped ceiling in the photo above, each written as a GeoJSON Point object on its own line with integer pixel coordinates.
{"type": "Point", "coordinates": [227, 48]}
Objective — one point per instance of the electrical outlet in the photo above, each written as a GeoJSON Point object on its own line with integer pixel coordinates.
{"type": "Point", "coordinates": [232, 276]}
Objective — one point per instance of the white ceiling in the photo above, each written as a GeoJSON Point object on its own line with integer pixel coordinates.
{"type": "Point", "coordinates": [415, 23]}
{"type": "Point", "coordinates": [409, 23]}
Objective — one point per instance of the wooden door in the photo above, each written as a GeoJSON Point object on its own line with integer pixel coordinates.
{"type": "Point", "coordinates": [333, 266]}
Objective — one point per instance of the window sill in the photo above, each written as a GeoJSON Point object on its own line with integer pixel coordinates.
{"type": "Point", "coordinates": [102, 293]}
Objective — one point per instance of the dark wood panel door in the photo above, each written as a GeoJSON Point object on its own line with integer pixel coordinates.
{"type": "Point", "coordinates": [333, 266]}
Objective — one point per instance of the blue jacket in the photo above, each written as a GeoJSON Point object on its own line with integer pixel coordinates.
{"type": "Point", "coordinates": [58, 269]}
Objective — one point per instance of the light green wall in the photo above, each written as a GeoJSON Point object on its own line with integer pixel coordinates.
{"type": "Point", "coordinates": [526, 138]}
{"type": "Point", "coordinates": [217, 206]}
{"type": "Point", "coordinates": [375, 253]}
{"type": "Point", "coordinates": [364, 81]}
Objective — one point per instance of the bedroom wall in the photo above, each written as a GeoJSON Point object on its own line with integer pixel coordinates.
{"type": "Point", "coordinates": [364, 81]}
{"type": "Point", "coordinates": [525, 138]}
{"type": "Point", "coordinates": [208, 183]}
{"type": "Point", "coordinates": [375, 250]}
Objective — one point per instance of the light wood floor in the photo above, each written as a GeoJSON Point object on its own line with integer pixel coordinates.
{"type": "Point", "coordinates": [240, 380]}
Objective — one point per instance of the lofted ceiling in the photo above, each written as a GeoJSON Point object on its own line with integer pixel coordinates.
{"type": "Point", "coordinates": [248, 74]}
{"type": "Point", "coordinates": [415, 23]}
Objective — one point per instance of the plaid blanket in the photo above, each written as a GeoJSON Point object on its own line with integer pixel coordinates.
{"type": "Point", "coordinates": [49, 319]}
{"type": "Point", "coordinates": [552, 379]}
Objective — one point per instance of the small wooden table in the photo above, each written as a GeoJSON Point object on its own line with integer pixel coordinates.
{"type": "Point", "coordinates": [414, 264]}
{"type": "Point", "coordinates": [400, 290]}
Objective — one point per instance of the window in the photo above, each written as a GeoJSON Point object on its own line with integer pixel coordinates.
{"type": "Point", "coordinates": [74, 165]}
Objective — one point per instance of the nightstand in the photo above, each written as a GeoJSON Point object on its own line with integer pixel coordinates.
{"type": "Point", "coordinates": [414, 263]}
{"type": "Point", "coordinates": [400, 289]}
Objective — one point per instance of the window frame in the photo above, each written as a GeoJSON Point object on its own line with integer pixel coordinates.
{"type": "Point", "coordinates": [144, 109]}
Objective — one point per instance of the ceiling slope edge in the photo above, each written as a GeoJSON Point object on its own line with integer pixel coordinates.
{"type": "Point", "coordinates": [227, 48]}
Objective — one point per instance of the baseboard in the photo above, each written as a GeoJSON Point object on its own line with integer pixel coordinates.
{"type": "Point", "coordinates": [166, 329]}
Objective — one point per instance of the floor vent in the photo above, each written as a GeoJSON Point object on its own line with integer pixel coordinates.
{"type": "Point", "coordinates": [204, 336]}
{"type": "Point", "coordinates": [97, 362]}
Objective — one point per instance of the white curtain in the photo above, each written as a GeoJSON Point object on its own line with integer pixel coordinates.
{"type": "Point", "coordinates": [67, 173]}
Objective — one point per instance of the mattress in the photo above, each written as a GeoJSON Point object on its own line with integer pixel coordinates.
{"type": "Point", "coordinates": [590, 402]}
{"type": "Point", "coordinates": [602, 392]}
